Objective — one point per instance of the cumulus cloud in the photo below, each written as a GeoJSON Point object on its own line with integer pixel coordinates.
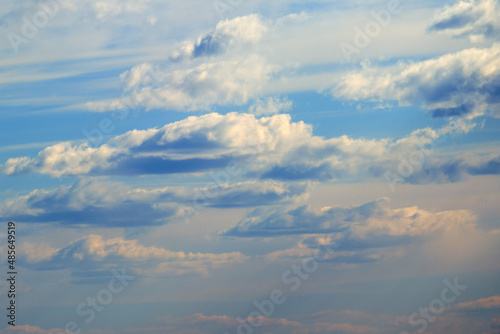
{"type": "Point", "coordinates": [96, 202]}
{"type": "Point", "coordinates": [355, 233]}
{"type": "Point", "coordinates": [271, 147]}
{"type": "Point", "coordinates": [217, 69]}
{"type": "Point", "coordinates": [191, 145]}
{"type": "Point", "coordinates": [227, 34]}
{"type": "Point", "coordinates": [93, 252]}
{"type": "Point", "coordinates": [473, 18]}
{"type": "Point", "coordinates": [466, 83]}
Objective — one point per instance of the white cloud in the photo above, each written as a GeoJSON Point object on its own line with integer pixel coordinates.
{"type": "Point", "coordinates": [228, 34]}
{"type": "Point", "coordinates": [465, 83]}
{"type": "Point", "coordinates": [372, 219]}
{"type": "Point", "coordinates": [222, 82]}
{"type": "Point", "coordinates": [480, 304]}
{"type": "Point", "coordinates": [477, 19]}
{"type": "Point", "coordinates": [115, 204]}
{"type": "Point", "coordinates": [271, 147]}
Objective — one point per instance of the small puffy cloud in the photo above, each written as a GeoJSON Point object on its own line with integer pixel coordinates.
{"type": "Point", "coordinates": [466, 83]}
{"type": "Point", "coordinates": [93, 252]}
{"type": "Point", "coordinates": [476, 19]}
{"type": "Point", "coordinates": [93, 202]}
{"type": "Point", "coordinates": [227, 34]}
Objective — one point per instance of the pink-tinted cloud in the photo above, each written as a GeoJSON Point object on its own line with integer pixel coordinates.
{"type": "Point", "coordinates": [328, 327]}
{"type": "Point", "coordinates": [480, 304]}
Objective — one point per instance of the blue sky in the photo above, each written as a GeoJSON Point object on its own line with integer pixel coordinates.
{"type": "Point", "coordinates": [206, 167]}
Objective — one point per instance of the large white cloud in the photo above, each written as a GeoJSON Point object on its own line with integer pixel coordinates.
{"type": "Point", "coordinates": [268, 148]}
{"type": "Point", "coordinates": [355, 235]}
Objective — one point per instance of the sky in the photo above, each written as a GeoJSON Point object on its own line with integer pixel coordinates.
{"type": "Point", "coordinates": [246, 166]}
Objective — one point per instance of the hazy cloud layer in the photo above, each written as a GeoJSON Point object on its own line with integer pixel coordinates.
{"type": "Point", "coordinates": [356, 234]}
{"type": "Point", "coordinates": [323, 322]}
{"type": "Point", "coordinates": [225, 74]}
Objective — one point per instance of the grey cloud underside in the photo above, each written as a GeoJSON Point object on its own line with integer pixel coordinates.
{"type": "Point", "coordinates": [160, 165]}
{"type": "Point", "coordinates": [293, 172]}
{"type": "Point", "coordinates": [110, 204]}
